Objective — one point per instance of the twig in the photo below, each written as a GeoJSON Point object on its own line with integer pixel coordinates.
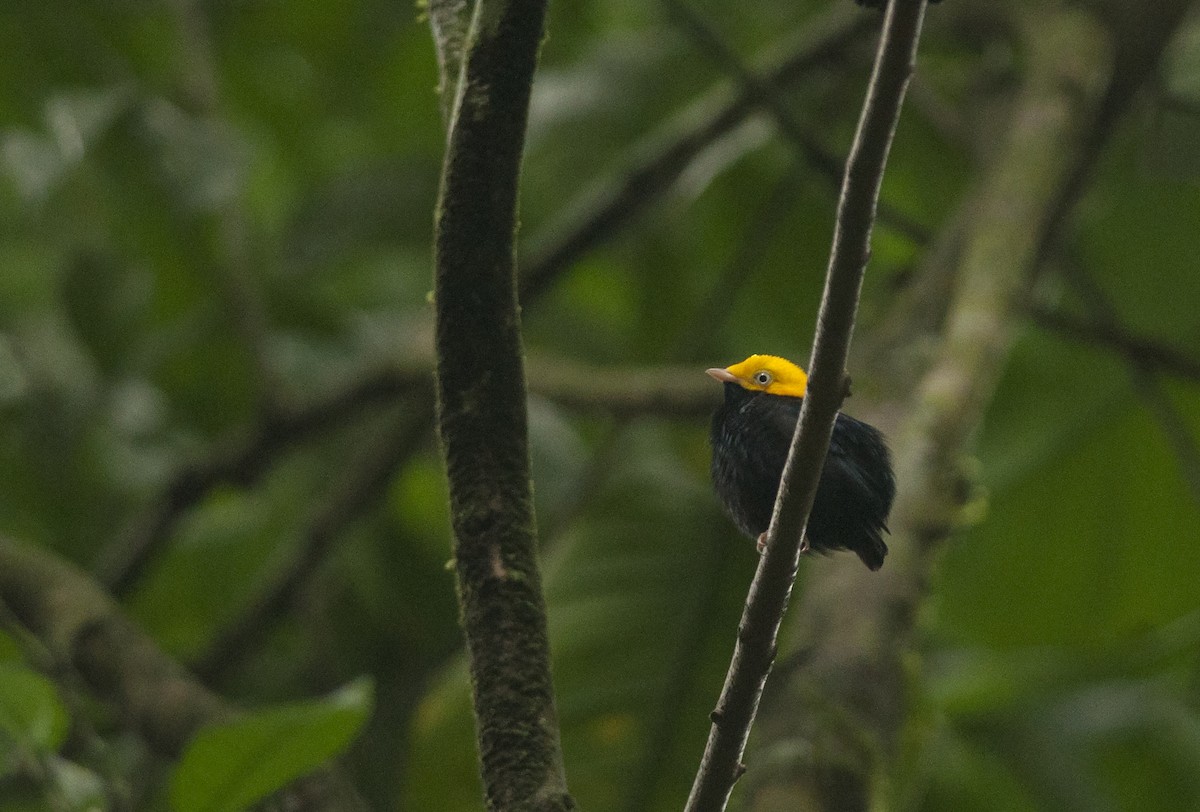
{"type": "Point", "coordinates": [766, 94]}
{"type": "Point", "coordinates": [481, 417]}
{"type": "Point", "coordinates": [602, 213]}
{"type": "Point", "coordinates": [241, 457]}
{"type": "Point", "coordinates": [81, 626]}
{"type": "Point", "coordinates": [846, 704]}
{"type": "Point", "coordinates": [755, 649]}
{"type": "Point", "coordinates": [1135, 348]}
{"type": "Point", "coordinates": [1144, 377]}
{"type": "Point", "coordinates": [360, 485]}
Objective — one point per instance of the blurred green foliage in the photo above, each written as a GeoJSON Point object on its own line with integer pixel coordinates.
{"type": "Point", "coordinates": [210, 211]}
{"type": "Point", "coordinates": [231, 766]}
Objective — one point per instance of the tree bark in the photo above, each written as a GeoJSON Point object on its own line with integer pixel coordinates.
{"type": "Point", "coordinates": [481, 413]}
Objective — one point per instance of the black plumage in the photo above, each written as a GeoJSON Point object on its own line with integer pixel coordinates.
{"type": "Point", "coordinates": [751, 433]}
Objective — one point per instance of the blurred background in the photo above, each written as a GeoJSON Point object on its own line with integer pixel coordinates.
{"type": "Point", "coordinates": [215, 270]}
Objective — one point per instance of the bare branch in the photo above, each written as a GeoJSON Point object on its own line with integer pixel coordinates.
{"type": "Point", "coordinates": [609, 208]}
{"type": "Point", "coordinates": [360, 484]}
{"type": "Point", "coordinates": [241, 457]}
{"type": "Point", "coordinates": [1136, 349]}
{"type": "Point", "coordinates": [766, 94]}
{"type": "Point", "coordinates": [755, 649]}
{"type": "Point", "coordinates": [81, 627]}
{"type": "Point", "coordinates": [1144, 377]}
{"type": "Point", "coordinates": [845, 703]}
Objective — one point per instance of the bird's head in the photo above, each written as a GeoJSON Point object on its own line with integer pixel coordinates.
{"type": "Point", "coordinates": [765, 373]}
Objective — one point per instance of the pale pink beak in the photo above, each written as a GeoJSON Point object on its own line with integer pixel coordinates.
{"type": "Point", "coordinates": [722, 375]}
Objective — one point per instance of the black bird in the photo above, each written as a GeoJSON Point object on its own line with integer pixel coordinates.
{"type": "Point", "coordinates": [751, 433]}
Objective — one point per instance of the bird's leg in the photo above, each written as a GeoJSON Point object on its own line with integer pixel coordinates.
{"type": "Point", "coordinates": [761, 544]}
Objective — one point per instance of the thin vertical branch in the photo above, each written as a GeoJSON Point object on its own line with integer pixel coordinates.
{"type": "Point", "coordinates": [482, 422]}
{"type": "Point", "coordinates": [846, 701]}
{"type": "Point", "coordinates": [755, 649]}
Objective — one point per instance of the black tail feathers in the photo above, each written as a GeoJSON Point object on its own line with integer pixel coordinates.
{"type": "Point", "coordinates": [872, 551]}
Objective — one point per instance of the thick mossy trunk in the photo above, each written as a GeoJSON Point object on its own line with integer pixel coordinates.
{"type": "Point", "coordinates": [482, 418]}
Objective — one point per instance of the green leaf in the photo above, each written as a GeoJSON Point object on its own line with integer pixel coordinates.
{"type": "Point", "coordinates": [231, 766]}
{"type": "Point", "coordinates": [30, 711]}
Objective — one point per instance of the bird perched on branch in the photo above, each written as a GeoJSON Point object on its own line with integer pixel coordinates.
{"type": "Point", "coordinates": [751, 433]}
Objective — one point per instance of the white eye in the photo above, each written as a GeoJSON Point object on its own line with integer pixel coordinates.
{"type": "Point", "coordinates": [762, 377]}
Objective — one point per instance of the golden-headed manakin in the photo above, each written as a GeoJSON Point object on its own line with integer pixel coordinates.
{"type": "Point", "coordinates": [751, 433]}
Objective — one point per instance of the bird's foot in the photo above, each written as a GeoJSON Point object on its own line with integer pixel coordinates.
{"type": "Point", "coordinates": [761, 544]}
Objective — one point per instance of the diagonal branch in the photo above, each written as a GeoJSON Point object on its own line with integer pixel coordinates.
{"type": "Point", "coordinates": [845, 704]}
{"type": "Point", "coordinates": [765, 93]}
{"type": "Point", "coordinates": [363, 480]}
{"type": "Point", "coordinates": [603, 212]}
{"type": "Point", "coordinates": [481, 416]}
{"type": "Point", "coordinates": [241, 457]}
{"type": "Point", "coordinates": [769, 593]}
{"type": "Point", "coordinates": [81, 628]}
{"type": "Point", "coordinates": [1144, 377]}
{"type": "Point", "coordinates": [1111, 335]}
